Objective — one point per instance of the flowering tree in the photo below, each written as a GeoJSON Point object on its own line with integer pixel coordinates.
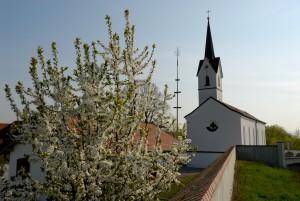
{"type": "Point", "coordinates": [81, 127]}
{"type": "Point", "coordinates": [158, 109]}
{"type": "Point", "coordinates": [182, 129]}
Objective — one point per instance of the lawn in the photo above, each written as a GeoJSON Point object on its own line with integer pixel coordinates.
{"type": "Point", "coordinates": [184, 179]}
{"type": "Point", "coordinates": [255, 181]}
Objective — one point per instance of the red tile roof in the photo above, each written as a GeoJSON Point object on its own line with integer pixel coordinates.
{"type": "Point", "coordinates": [3, 125]}
{"type": "Point", "coordinates": [166, 139]}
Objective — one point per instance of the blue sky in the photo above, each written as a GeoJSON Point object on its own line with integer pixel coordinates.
{"type": "Point", "coordinates": [258, 42]}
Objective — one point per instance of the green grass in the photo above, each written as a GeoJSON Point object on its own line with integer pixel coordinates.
{"type": "Point", "coordinates": [255, 181]}
{"type": "Point", "coordinates": [184, 179]}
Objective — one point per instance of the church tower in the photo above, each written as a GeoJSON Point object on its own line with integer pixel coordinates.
{"type": "Point", "coordinates": [209, 72]}
{"type": "Point", "coordinates": [215, 126]}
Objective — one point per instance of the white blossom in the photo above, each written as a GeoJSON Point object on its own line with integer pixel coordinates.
{"type": "Point", "coordinates": [81, 127]}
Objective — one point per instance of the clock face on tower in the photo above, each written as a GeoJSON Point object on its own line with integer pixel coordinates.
{"type": "Point", "coordinates": [212, 126]}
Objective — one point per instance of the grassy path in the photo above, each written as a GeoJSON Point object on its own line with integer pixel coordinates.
{"type": "Point", "coordinates": [254, 181]}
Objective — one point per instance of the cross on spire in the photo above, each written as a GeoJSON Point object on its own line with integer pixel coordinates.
{"type": "Point", "coordinates": [208, 11]}
{"type": "Point", "coordinates": [209, 48]}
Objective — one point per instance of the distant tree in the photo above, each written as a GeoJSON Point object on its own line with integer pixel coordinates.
{"type": "Point", "coordinates": [182, 129]}
{"type": "Point", "coordinates": [158, 111]}
{"type": "Point", "coordinates": [81, 127]}
{"type": "Point", "coordinates": [296, 139]}
{"type": "Point", "coordinates": [276, 133]}
{"type": "Point", "coordinates": [297, 133]}
{"type": "Point", "coordinates": [155, 99]}
{"type": "Point", "coordinates": [158, 105]}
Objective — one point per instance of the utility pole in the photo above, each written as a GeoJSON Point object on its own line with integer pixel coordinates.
{"type": "Point", "coordinates": [177, 92]}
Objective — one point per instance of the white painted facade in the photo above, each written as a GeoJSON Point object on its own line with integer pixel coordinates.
{"type": "Point", "coordinates": [19, 151]}
{"type": "Point", "coordinates": [214, 89]}
{"type": "Point", "coordinates": [201, 118]}
{"type": "Point", "coordinates": [232, 129]}
{"type": "Point", "coordinates": [253, 132]}
{"type": "Point", "coordinates": [203, 159]}
{"type": "Point", "coordinates": [5, 169]}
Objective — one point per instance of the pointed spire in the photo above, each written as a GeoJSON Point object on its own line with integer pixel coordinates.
{"type": "Point", "coordinates": [209, 48]}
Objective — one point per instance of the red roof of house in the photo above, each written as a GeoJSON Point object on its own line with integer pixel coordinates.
{"type": "Point", "coordinates": [166, 139]}
{"type": "Point", "coordinates": [6, 142]}
{"type": "Point", "coordinates": [3, 125]}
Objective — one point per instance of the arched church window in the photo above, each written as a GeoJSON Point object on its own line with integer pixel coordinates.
{"type": "Point", "coordinates": [250, 139]}
{"type": "Point", "coordinates": [207, 81]}
{"type": "Point", "coordinates": [244, 135]}
{"type": "Point", "coordinates": [23, 165]}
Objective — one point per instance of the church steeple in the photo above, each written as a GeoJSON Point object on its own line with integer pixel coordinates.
{"type": "Point", "coordinates": [209, 72]}
{"type": "Point", "coordinates": [209, 48]}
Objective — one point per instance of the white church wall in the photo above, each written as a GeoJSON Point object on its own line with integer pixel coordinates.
{"type": "Point", "coordinates": [247, 126]}
{"type": "Point", "coordinates": [227, 134]}
{"type": "Point", "coordinates": [5, 170]}
{"type": "Point", "coordinates": [252, 132]}
{"type": "Point", "coordinates": [215, 81]}
{"type": "Point", "coordinates": [202, 160]}
{"type": "Point", "coordinates": [205, 94]}
{"type": "Point", "coordinates": [262, 133]}
{"type": "Point", "coordinates": [17, 153]}
{"type": "Point", "coordinates": [219, 95]}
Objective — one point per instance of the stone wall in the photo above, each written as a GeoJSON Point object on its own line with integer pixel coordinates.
{"type": "Point", "coordinates": [213, 183]}
{"type": "Point", "coordinates": [269, 155]}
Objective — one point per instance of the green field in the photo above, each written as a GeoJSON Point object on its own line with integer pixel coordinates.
{"type": "Point", "coordinates": [255, 181]}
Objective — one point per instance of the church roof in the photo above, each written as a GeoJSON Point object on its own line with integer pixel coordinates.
{"type": "Point", "coordinates": [209, 48]}
{"type": "Point", "coordinates": [209, 52]}
{"type": "Point", "coordinates": [213, 62]}
{"type": "Point", "coordinates": [242, 112]}
{"type": "Point", "coordinates": [232, 108]}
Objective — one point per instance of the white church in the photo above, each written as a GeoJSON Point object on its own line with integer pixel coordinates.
{"type": "Point", "coordinates": [214, 126]}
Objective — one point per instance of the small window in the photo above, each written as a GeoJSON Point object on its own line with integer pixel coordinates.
{"type": "Point", "coordinates": [219, 81]}
{"type": "Point", "coordinates": [207, 81]}
{"type": "Point", "coordinates": [23, 164]}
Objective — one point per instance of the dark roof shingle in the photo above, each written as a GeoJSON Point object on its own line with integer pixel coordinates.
{"type": "Point", "coordinates": [230, 107]}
